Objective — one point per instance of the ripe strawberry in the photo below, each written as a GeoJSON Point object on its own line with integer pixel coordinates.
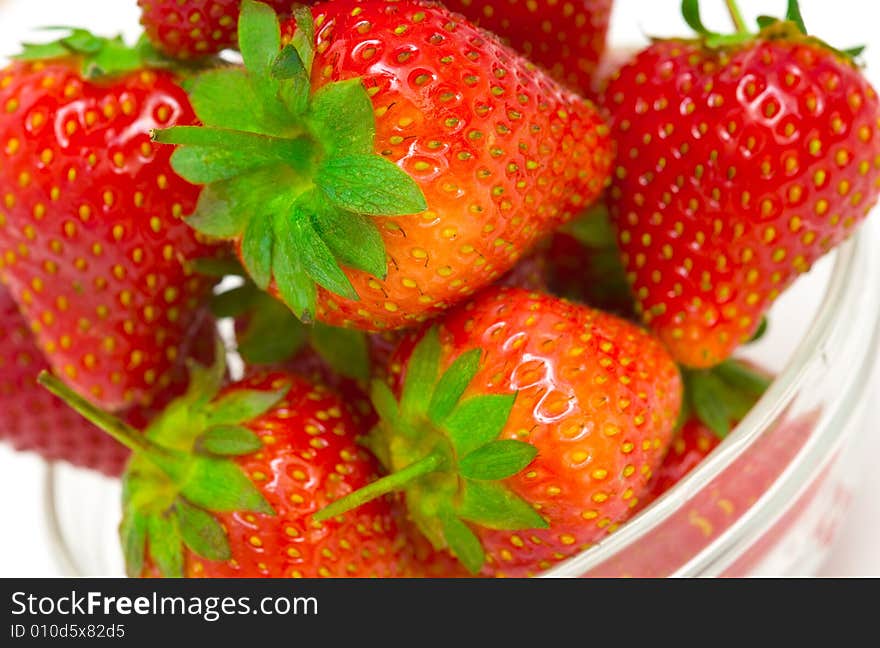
{"type": "Point", "coordinates": [539, 436]}
{"type": "Point", "coordinates": [225, 484]}
{"type": "Point", "coordinates": [741, 161]}
{"type": "Point", "coordinates": [566, 38]}
{"type": "Point", "coordinates": [399, 143]}
{"type": "Point", "coordinates": [188, 29]}
{"type": "Point", "coordinates": [93, 246]}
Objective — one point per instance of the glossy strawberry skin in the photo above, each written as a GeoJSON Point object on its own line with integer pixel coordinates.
{"type": "Point", "coordinates": [597, 396]}
{"type": "Point", "coordinates": [94, 248]}
{"type": "Point", "coordinates": [310, 457]}
{"type": "Point", "coordinates": [568, 39]}
{"type": "Point", "coordinates": [502, 154]}
{"type": "Point", "coordinates": [188, 29]}
{"type": "Point", "coordinates": [737, 169]}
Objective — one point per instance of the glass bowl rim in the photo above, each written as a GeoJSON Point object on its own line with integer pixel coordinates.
{"type": "Point", "coordinates": [843, 279]}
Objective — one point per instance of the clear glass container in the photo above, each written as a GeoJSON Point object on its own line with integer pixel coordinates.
{"type": "Point", "coordinates": [766, 502]}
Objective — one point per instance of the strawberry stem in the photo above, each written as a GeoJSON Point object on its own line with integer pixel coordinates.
{"type": "Point", "coordinates": [383, 486]}
{"type": "Point", "coordinates": [120, 431]}
{"type": "Point", "coordinates": [124, 434]}
{"type": "Point", "coordinates": [736, 16]}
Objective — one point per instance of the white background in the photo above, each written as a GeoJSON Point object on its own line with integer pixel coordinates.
{"type": "Point", "coordinates": [24, 549]}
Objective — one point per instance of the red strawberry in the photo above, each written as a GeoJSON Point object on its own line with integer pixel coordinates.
{"type": "Point", "coordinates": [427, 158]}
{"type": "Point", "coordinates": [705, 515]}
{"type": "Point", "coordinates": [34, 420]}
{"type": "Point", "coordinates": [566, 38]}
{"type": "Point", "coordinates": [691, 445]}
{"type": "Point", "coordinates": [251, 465]}
{"type": "Point", "coordinates": [538, 437]}
{"type": "Point", "coordinates": [94, 249]}
{"type": "Point", "coordinates": [188, 29]}
{"type": "Point", "coordinates": [741, 161]}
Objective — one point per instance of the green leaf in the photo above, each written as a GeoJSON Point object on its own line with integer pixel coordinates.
{"type": "Point", "coordinates": [793, 13]}
{"type": "Point", "coordinates": [133, 537]}
{"type": "Point", "coordinates": [690, 9]}
{"type": "Point", "coordinates": [206, 165]}
{"type": "Point", "coordinates": [224, 208]}
{"type": "Point", "coordinates": [42, 51]}
{"type": "Point", "coordinates": [369, 184]}
{"type": "Point", "coordinates": [766, 21]}
{"type": "Point", "coordinates": [228, 440]}
{"type": "Point", "coordinates": [452, 384]}
{"type": "Point", "coordinates": [497, 460]}
{"type": "Point", "coordinates": [854, 52]}
{"type": "Point", "coordinates": [272, 334]}
{"type": "Point", "coordinates": [235, 302]}
{"type": "Point", "coordinates": [345, 350]}
{"type": "Point", "coordinates": [219, 212]}
{"type": "Point", "coordinates": [463, 543]}
{"type": "Point", "coordinates": [225, 98]}
{"type": "Point", "coordinates": [317, 259]}
{"type": "Point", "coordinates": [289, 65]}
{"type": "Point", "coordinates": [706, 393]}
{"type": "Point", "coordinates": [220, 485]}
{"type": "Point", "coordinates": [242, 405]}
{"type": "Point", "coordinates": [257, 247]}
{"type": "Point", "coordinates": [478, 420]}
{"type": "Point", "coordinates": [594, 230]}
{"type": "Point", "coordinates": [201, 532]}
{"type": "Point", "coordinates": [164, 543]}
{"type": "Point", "coordinates": [493, 506]}
{"type": "Point", "coordinates": [304, 37]}
{"type": "Point", "coordinates": [421, 374]}
{"type": "Point", "coordinates": [296, 287]}
{"type": "Point", "coordinates": [341, 115]}
{"type": "Point", "coordinates": [259, 37]}
{"type": "Point", "coordinates": [353, 239]}
{"type": "Point", "coordinates": [739, 376]}
{"type": "Point", "coordinates": [218, 267]}
{"type": "Point", "coordinates": [384, 402]}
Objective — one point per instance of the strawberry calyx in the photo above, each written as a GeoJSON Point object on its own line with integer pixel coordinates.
{"type": "Point", "coordinates": [182, 468]}
{"type": "Point", "coordinates": [99, 57]}
{"type": "Point", "coordinates": [290, 173]}
{"type": "Point", "coordinates": [722, 394]}
{"type": "Point", "coordinates": [267, 333]}
{"type": "Point", "coordinates": [791, 27]}
{"type": "Point", "coordinates": [443, 452]}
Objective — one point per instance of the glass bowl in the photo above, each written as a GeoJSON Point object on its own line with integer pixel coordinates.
{"type": "Point", "coordinates": [766, 502]}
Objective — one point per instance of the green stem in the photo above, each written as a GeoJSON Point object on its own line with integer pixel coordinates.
{"type": "Point", "coordinates": [125, 434]}
{"type": "Point", "coordinates": [736, 16]}
{"type": "Point", "coordinates": [388, 484]}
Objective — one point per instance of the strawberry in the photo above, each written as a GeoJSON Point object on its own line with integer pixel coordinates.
{"type": "Point", "coordinates": [379, 161]}
{"type": "Point", "coordinates": [226, 481]}
{"type": "Point", "coordinates": [522, 428]}
{"type": "Point", "coordinates": [741, 160]}
{"type": "Point", "coordinates": [190, 29]}
{"type": "Point", "coordinates": [566, 38]}
{"type": "Point", "coordinates": [94, 248]}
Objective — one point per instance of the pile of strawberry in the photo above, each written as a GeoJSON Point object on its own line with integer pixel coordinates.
{"type": "Point", "coordinates": [483, 319]}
